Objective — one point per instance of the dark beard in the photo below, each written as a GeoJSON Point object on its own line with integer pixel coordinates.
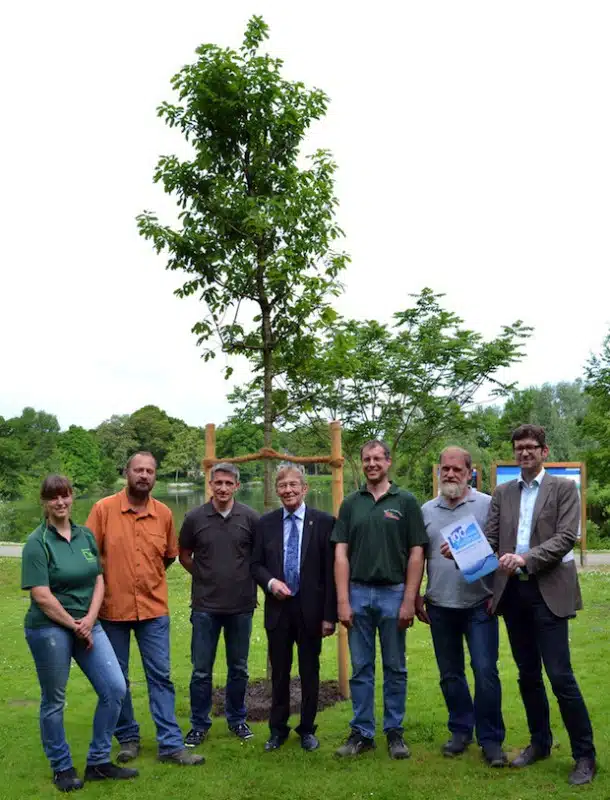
{"type": "Point", "coordinates": [138, 494]}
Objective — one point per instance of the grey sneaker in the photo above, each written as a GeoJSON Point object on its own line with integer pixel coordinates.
{"type": "Point", "coordinates": [355, 744]}
{"type": "Point", "coordinates": [128, 751]}
{"type": "Point", "coordinates": [396, 745]}
{"type": "Point", "coordinates": [183, 757]}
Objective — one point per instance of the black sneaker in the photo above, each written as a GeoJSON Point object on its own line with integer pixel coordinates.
{"type": "Point", "coordinates": [355, 744]}
{"type": "Point", "coordinates": [109, 771]}
{"type": "Point", "coordinates": [396, 745]}
{"type": "Point", "coordinates": [194, 737]}
{"type": "Point", "coordinates": [242, 731]}
{"type": "Point", "coordinates": [67, 780]}
{"type": "Point", "coordinates": [456, 745]}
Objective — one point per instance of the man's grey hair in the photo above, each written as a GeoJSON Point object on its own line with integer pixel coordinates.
{"type": "Point", "coordinates": [224, 467]}
{"type": "Point", "coordinates": [287, 467]}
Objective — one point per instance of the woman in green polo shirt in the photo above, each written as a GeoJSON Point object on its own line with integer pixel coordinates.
{"type": "Point", "coordinates": [61, 568]}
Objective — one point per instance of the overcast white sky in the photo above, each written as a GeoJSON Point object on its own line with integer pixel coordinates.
{"type": "Point", "coordinates": [473, 145]}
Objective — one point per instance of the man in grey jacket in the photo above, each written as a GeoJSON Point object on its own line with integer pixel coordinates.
{"type": "Point", "coordinates": [533, 526]}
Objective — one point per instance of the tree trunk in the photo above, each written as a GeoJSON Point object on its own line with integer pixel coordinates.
{"type": "Point", "coordinates": [267, 428]}
{"type": "Point", "coordinates": [267, 382]}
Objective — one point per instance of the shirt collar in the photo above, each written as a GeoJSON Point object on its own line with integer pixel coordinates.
{"type": "Point", "coordinates": [73, 528]}
{"type": "Point", "coordinates": [126, 506]}
{"type": "Point", "coordinates": [211, 509]}
{"type": "Point", "coordinates": [470, 498]}
{"type": "Point", "coordinates": [536, 482]}
{"type": "Point", "coordinates": [392, 490]}
{"type": "Point", "coordinates": [299, 513]}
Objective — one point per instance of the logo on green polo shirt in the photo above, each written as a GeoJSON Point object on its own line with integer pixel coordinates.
{"type": "Point", "coordinates": [89, 556]}
{"type": "Point", "coordinates": [392, 513]}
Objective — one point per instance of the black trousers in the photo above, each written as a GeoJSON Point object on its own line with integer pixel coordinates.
{"type": "Point", "coordinates": [290, 630]}
{"type": "Point", "coordinates": [538, 637]}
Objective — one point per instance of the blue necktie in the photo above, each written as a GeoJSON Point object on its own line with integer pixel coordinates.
{"type": "Point", "coordinates": [291, 556]}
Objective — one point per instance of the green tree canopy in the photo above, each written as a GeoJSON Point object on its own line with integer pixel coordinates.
{"type": "Point", "coordinates": [185, 453]}
{"type": "Point", "coordinates": [11, 460]}
{"type": "Point", "coordinates": [596, 423]}
{"type": "Point", "coordinates": [80, 457]}
{"type": "Point", "coordinates": [152, 430]}
{"type": "Point", "coordinates": [117, 440]}
{"type": "Point", "coordinates": [409, 383]}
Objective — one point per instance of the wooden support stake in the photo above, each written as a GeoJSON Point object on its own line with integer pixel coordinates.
{"type": "Point", "coordinates": [337, 492]}
{"type": "Point", "coordinates": [210, 452]}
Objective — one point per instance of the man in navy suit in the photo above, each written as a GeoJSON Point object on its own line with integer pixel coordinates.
{"type": "Point", "coordinates": [293, 562]}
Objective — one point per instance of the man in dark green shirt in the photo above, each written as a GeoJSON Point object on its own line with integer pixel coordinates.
{"type": "Point", "coordinates": [379, 561]}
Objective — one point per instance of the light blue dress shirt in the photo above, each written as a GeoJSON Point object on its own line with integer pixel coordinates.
{"type": "Point", "coordinates": [529, 494]}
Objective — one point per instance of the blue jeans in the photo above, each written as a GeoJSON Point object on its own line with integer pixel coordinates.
{"type": "Point", "coordinates": [53, 647]}
{"type": "Point", "coordinates": [450, 626]}
{"type": "Point", "coordinates": [376, 609]}
{"type": "Point", "coordinates": [204, 641]}
{"type": "Point", "coordinates": [152, 636]}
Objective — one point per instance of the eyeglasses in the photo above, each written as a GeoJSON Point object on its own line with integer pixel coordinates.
{"type": "Point", "coordinates": [290, 485]}
{"type": "Point", "coordinates": [528, 448]}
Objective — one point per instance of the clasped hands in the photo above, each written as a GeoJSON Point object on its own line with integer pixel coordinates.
{"type": "Point", "coordinates": [83, 628]}
{"type": "Point", "coordinates": [281, 591]}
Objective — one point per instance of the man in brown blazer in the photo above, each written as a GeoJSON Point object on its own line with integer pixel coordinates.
{"type": "Point", "coordinates": [533, 525]}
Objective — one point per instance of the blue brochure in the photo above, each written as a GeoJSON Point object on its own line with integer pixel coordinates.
{"type": "Point", "coordinates": [470, 548]}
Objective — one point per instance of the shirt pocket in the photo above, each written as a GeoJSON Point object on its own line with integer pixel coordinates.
{"type": "Point", "coordinates": [159, 544]}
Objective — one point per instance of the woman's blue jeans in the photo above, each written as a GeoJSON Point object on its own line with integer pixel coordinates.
{"type": "Point", "coordinates": [53, 647]}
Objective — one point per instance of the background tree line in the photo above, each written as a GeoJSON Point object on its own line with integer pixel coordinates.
{"type": "Point", "coordinates": [575, 414]}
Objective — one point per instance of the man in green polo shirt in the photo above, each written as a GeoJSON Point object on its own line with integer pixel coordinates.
{"type": "Point", "coordinates": [379, 561]}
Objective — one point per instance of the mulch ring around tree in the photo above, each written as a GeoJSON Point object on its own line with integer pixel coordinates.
{"type": "Point", "coordinates": [258, 698]}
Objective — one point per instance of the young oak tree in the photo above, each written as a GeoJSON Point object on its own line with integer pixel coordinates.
{"type": "Point", "coordinates": [257, 228]}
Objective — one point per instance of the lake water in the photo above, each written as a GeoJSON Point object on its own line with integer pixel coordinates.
{"type": "Point", "coordinates": [18, 519]}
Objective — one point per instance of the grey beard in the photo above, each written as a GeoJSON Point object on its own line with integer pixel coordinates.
{"type": "Point", "coordinates": [453, 490]}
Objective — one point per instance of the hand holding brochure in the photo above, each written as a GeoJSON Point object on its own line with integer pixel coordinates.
{"type": "Point", "coordinates": [470, 548]}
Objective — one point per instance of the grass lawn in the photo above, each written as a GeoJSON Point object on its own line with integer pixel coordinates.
{"type": "Point", "coordinates": [237, 771]}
